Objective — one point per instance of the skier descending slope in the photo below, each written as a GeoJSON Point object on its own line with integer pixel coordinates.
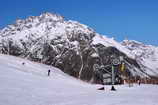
{"type": "Point", "coordinates": [48, 72]}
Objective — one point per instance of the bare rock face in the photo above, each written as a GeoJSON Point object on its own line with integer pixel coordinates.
{"type": "Point", "coordinates": [66, 44]}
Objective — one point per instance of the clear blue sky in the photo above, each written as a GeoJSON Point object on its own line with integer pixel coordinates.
{"type": "Point", "coordinates": [131, 19]}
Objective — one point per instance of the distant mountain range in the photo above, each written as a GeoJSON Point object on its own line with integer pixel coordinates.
{"type": "Point", "coordinates": [74, 47]}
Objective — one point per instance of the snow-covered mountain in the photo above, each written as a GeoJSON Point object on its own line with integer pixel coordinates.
{"type": "Point", "coordinates": [69, 45]}
{"type": "Point", "coordinates": [146, 56]}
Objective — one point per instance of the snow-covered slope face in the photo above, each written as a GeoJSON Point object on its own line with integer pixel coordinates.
{"type": "Point", "coordinates": [146, 55]}
{"type": "Point", "coordinates": [29, 84]}
{"type": "Point", "coordinates": [102, 39]}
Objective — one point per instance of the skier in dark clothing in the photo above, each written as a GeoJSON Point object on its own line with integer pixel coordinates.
{"type": "Point", "coordinates": [48, 72]}
{"type": "Point", "coordinates": [23, 63]}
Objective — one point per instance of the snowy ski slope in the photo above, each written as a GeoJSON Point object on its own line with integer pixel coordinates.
{"type": "Point", "coordinates": [29, 84]}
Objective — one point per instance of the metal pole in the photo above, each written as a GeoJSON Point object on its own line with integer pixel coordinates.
{"type": "Point", "coordinates": [113, 76]}
{"type": "Point", "coordinates": [113, 79]}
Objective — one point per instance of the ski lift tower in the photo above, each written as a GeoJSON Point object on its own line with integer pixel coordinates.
{"type": "Point", "coordinates": [115, 62]}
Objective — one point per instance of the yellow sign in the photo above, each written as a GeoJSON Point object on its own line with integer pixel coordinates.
{"type": "Point", "coordinates": [122, 67]}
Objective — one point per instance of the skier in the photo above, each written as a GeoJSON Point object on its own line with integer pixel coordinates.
{"type": "Point", "coordinates": [48, 72]}
{"type": "Point", "coordinates": [23, 63]}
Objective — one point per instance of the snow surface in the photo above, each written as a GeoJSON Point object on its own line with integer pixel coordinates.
{"type": "Point", "coordinates": [29, 84]}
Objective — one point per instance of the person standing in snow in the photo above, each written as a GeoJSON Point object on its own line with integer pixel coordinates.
{"type": "Point", "coordinates": [48, 72]}
{"type": "Point", "coordinates": [139, 81]}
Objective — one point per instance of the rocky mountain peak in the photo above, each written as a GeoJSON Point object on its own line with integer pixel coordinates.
{"type": "Point", "coordinates": [51, 16]}
{"type": "Point", "coordinates": [132, 43]}
{"type": "Point", "coordinates": [139, 48]}
{"type": "Point", "coordinates": [52, 25]}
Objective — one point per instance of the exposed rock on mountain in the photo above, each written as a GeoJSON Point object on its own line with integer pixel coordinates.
{"type": "Point", "coordinates": [66, 44]}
